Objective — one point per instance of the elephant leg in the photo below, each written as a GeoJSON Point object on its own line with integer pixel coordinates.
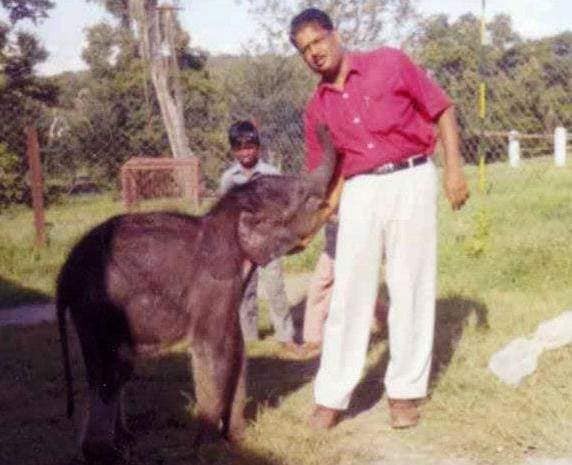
{"type": "Point", "coordinates": [217, 374]}
{"type": "Point", "coordinates": [209, 391]}
{"type": "Point", "coordinates": [122, 434]}
{"type": "Point", "coordinates": [99, 440]}
{"type": "Point", "coordinates": [237, 423]}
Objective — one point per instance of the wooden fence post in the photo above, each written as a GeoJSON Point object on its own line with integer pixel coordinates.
{"type": "Point", "coordinates": [36, 184]}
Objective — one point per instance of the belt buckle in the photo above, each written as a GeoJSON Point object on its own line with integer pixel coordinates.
{"type": "Point", "coordinates": [387, 168]}
{"type": "Point", "coordinates": [415, 160]}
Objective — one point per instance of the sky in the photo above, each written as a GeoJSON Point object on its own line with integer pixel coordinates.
{"type": "Point", "coordinates": [225, 26]}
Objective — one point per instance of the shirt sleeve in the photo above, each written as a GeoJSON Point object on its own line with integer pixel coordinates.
{"type": "Point", "coordinates": [429, 96]}
{"type": "Point", "coordinates": [313, 147]}
{"type": "Point", "coordinates": [225, 183]}
{"type": "Point", "coordinates": [270, 169]}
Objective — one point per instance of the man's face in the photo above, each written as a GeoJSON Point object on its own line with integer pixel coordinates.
{"type": "Point", "coordinates": [247, 154]}
{"type": "Point", "coordinates": [321, 49]}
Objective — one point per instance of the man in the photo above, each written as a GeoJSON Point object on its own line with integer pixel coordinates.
{"type": "Point", "coordinates": [245, 147]}
{"type": "Point", "coordinates": [381, 110]}
{"type": "Point", "coordinates": [320, 293]}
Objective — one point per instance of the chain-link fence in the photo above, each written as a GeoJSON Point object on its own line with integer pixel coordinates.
{"type": "Point", "coordinates": [102, 121]}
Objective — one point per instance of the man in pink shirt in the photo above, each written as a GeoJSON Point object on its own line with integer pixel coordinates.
{"type": "Point", "coordinates": [381, 110]}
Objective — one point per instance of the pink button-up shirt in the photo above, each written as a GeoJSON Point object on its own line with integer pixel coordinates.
{"type": "Point", "coordinates": [386, 112]}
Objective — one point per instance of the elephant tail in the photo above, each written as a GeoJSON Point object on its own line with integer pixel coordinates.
{"type": "Point", "coordinates": [61, 307]}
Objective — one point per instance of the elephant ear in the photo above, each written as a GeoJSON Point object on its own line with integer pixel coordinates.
{"type": "Point", "coordinates": [261, 239]}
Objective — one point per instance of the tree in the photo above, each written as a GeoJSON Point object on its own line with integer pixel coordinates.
{"type": "Point", "coordinates": [533, 84]}
{"type": "Point", "coordinates": [502, 33]}
{"type": "Point", "coordinates": [102, 49]}
{"type": "Point", "coordinates": [271, 90]}
{"type": "Point", "coordinates": [20, 52]}
{"type": "Point", "coordinates": [27, 9]}
{"type": "Point", "coordinates": [104, 120]}
{"type": "Point", "coordinates": [527, 82]}
{"type": "Point", "coordinates": [158, 36]}
{"type": "Point", "coordinates": [22, 93]}
{"type": "Point", "coordinates": [111, 112]}
{"type": "Point", "coordinates": [362, 23]}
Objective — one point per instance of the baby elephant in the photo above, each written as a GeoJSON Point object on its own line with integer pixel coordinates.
{"type": "Point", "coordinates": [140, 282]}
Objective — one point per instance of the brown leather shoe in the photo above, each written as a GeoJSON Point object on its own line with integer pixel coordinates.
{"type": "Point", "coordinates": [403, 413]}
{"type": "Point", "coordinates": [324, 417]}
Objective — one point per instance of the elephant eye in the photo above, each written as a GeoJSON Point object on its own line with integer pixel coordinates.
{"type": "Point", "coordinates": [314, 202]}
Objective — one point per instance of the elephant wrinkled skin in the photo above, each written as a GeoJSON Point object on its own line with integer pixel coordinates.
{"type": "Point", "coordinates": [139, 282]}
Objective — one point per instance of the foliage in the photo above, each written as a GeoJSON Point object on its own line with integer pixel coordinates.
{"type": "Point", "coordinates": [11, 178]}
{"type": "Point", "coordinates": [362, 23]}
{"type": "Point", "coordinates": [22, 93]}
{"type": "Point", "coordinates": [206, 119]}
{"type": "Point", "coordinates": [27, 9]}
{"type": "Point", "coordinates": [528, 81]}
{"type": "Point", "coordinates": [118, 8]}
{"type": "Point", "coordinates": [271, 90]}
{"type": "Point", "coordinates": [111, 113]}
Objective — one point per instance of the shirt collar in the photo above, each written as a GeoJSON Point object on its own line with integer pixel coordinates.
{"type": "Point", "coordinates": [237, 168]}
{"type": "Point", "coordinates": [354, 67]}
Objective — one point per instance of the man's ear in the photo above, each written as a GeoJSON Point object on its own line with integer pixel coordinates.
{"type": "Point", "coordinates": [337, 36]}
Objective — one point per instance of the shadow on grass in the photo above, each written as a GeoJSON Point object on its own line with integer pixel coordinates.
{"type": "Point", "coordinates": [167, 381]}
{"type": "Point", "coordinates": [159, 404]}
{"type": "Point", "coordinates": [297, 312]}
{"type": "Point", "coordinates": [13, 294]}
{"type": "Point", "coordinates": [160, 397]}
{"type": "Point", "coordinates": [270, 379]}
{"type": "Point", "coordinates": [452, 315]}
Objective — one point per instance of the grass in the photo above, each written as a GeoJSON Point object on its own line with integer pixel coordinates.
{"type": "Point", "coordinates": [504, 267]}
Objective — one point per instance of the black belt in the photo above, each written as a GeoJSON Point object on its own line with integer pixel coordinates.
{"type": "Point", "coordinates": [391, 167]}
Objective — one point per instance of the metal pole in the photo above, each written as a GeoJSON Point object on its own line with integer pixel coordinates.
{"type": "Point", "coordinates": [482, 102]}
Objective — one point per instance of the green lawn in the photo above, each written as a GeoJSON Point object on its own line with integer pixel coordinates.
{"type": "Point", "coordinates": [505, 266]}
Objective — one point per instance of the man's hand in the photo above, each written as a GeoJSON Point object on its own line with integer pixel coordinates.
{"type": "Point", "coordinates": [454, 181]}
{"type": "Point", "coordinates": [456, 188]}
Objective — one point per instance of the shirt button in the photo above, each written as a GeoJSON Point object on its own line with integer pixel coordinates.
{"type": "Point", "coordinates": [370, 145]}
{"type": "Point", "coordinates": [357, 120]}
{"type": "Point", "coordinates": [345, 95]}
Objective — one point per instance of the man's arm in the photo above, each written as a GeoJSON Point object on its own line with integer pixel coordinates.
{"type": "Point", "coordinates": [313, 149]}
{"type": "Point", "coordinates": [454, 181]}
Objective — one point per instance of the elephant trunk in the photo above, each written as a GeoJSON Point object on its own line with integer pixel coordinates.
{"type": "Point", "coordinates": [322, 175]}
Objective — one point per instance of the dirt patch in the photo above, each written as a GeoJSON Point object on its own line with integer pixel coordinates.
{"type": "Point", "coordinates": [28, 314]}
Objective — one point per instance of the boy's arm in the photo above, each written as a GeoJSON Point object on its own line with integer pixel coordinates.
{"type": "Point", "coordinates": [225, 183]}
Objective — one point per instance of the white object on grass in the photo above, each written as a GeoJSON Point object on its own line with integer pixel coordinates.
{"type": "Point", "coordinates": [519, 358]}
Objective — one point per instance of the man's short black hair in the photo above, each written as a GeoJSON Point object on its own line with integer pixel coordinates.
{"type": "Point", "coordinates": [309, 16]}
{"type": "Point", "coordinates": [243, 132]}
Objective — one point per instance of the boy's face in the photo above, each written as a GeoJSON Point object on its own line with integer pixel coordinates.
{"type": "Point", "coordinates": [247, 154]}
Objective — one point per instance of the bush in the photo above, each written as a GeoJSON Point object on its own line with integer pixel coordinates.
{"type": "Point", "coordinates": [12, 178]}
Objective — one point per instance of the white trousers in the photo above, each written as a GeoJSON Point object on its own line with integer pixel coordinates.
{"type": "Point", "coordinates": [397, 214]}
